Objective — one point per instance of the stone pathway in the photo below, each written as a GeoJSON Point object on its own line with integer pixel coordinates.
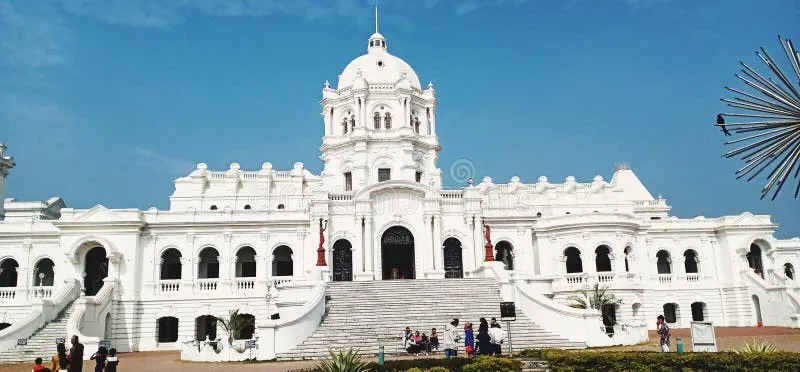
{"type": "Point", "coordinates": [728, 338]}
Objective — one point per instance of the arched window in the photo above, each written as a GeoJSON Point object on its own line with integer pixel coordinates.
{"type": "Point", "coordinates": [167, 328]}
{"type": "Point", "coordinates": [171, 264]}
{"type": "Point", "coordinates": [8, 273]}
{"type": "Point", "coordinates": [671, 313]}
{"type": "Point", "coordinates": [628, 252]}
{"type": "Point", "coordinates": [213, 207]}
{"type": "Point", "coordinates": [574, 262]}
{"type": "Point", "coordinates": [208, 267]}
{"type": "Point", "coordinates": [44, 274]}
{"type": "Point", "coordinates": [788, 270]}
{"type": "Point", "coordinates": [246, 332]}
{"type": "Point", "coordinates": [247, 206]}
{"type": "Point", "coordinates": [281, 206]}
{"type": "Point", "coordinates": [602, 260]}
{"type": "Point", "coordinates": [754, 259]}
{"type": "Point", "coordinates": [282, 264]}
{"type": "Point", "coordinates": [663, 262]}
{"type": "Point", "coordinates": [504, 254]}
{"type": "Point", "coordinates": [205, 326]}
{"type": "Point", "coordinates": [344, 125]}
{"type": "Point", "coordinates": [246, 263]}
{"type": "Point", "coordinates": [387, 121]}
{"type": "Point", "coordinates": [376, 119]}
{"type": "Point", "coordinates": [690, 261]}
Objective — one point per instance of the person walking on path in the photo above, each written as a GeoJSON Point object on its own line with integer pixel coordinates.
{"type": "Point", "coordinates": [76, 355]}
{"type": "Point", "coordinates": [663, 331]}
{"type": "Point", "coordinates": [451, 338]}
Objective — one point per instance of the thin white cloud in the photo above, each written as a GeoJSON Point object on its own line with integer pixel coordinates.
{"type": "Point", "coordinates": [32, 35]}
{"type": "Point", "coordinates": [466, 7]}
{"type": "Point", "coordinates": [163, 163]}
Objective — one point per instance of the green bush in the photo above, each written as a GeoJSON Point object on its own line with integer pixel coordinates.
{"type": "Point", "coordinates": [493, 364]}
{"type": "Point", "coordinates": [561, 360]}
{"type": "Point", "coordinates": [443, 365]}
{"type": "Point", "coordinates": [437, 369]}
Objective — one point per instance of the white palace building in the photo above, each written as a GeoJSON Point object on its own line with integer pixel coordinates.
{"type": "Point", "coordinates": [373, 244]}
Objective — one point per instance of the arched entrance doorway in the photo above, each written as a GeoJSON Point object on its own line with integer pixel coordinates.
{"type": "Point", "coordinates": [397, 253]}
{"type": "Point", "coordinates": [503, 254]}
{"type": "Point", "coordinates": [342, 261]}
{"type": "Point", "coordinates": [757, 305]}
{"type": "Point", "coordinates": [96, 269]}
{"type": "Point", "coordinates": [453, 263]}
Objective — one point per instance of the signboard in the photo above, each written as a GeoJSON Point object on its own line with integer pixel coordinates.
{"type": "Point", "coordinates": [250, 344]}
{"type": "Point", "coordinates": [22, 342]}
{"type": "Point", "coordinates": [105, 344]}
{"type": "Point", "coordinates": [508, 311]}
{"type": "Point", "coordinates": [703, 337]}
{"type": "Point", "coordinates": [60, 340]}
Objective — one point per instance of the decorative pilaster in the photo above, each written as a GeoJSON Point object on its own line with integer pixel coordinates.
{"type": "Point", "coordinates": [6, 163]}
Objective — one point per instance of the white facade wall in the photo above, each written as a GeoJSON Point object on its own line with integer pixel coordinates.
{"type": "Point", "coordinates": [265, 209]}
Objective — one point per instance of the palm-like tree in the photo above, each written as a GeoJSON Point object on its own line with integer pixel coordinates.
{"type": "Point", "coordinates": [767, 115]}
{"type": "Point", "coordinates": [599, 299]}
{"type": "Point", "coordinates": [234, 324]}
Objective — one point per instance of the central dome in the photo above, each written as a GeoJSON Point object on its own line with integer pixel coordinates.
{"type": "Point", "coordinates": [378, 66]}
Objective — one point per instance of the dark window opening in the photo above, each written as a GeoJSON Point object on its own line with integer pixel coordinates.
{"type": "Point", "coordinates": [384, 174]}
{"type": "Point", "coordinates": [698, 310]}
{"type": "Point", "coordinates": [418, 177]}
{"type": "Point", "coordinates": [280, 206]}
{"type": "Point", "coordinates": [348, 181]}
{"type": "Point", "coordinates": [574, 262]}
{"type": "Point", "coordinates": [213, 207]}
{"type": "Point", "coordinates": [247, 331]}
{"type": "Point", "coordinates": [167, 329]}
{"type": "Point", "coordinates": [247, 206]}
{"type": "Point", "coordinates": [670, 313]}
{"type": "Point", "coordinates": [205, 326]}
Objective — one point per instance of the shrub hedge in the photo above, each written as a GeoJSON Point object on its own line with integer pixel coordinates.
{"type": "Point", "coordinates": [478, 364]}
{"type": "Point", "coordinates": [562, 361]}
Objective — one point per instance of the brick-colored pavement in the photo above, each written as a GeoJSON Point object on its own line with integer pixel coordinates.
{"type": "Point", "coordinates": [728, 338]}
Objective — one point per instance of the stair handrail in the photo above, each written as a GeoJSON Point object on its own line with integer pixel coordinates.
{"type": "Point", "coordinates": [101, 299]}
{"type": "Point", "coordinates": [40, 315]}
{"type": "Point", "coordinates": [576, 325]}
{"type": "Point", "coordinates": [296, 329]}
{"type": "Point", "coordinates": [768, 287]}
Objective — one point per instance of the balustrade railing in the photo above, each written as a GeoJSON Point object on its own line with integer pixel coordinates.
{"type": "Point", "coordinates": [8, 294]}
{"type": "Point", "coordinates": [43, 292]}
{"type": "Point", "coordinates": [605, 277]}
{"type": "Point", "coordinates": [693, 278]}
{"type": "Point", "coordinates": [169, 285]}
{"type": "Point", "coordinates": [664, 278]}
{"type": "Point", "coordinates": [282, 280]}
{"type": "Point", "coordinates": [207, 285]}
{"type": "Point", "coordinates": [244, 284]}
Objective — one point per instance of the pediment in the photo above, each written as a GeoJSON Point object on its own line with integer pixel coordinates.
{"type": "Point", "coordinates": [748, 219]}
{"type": "Point", "coordinates": [100, 213]}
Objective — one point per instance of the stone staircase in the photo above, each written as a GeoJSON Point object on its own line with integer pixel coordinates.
{"type": "Point", "coordinates": [42, 343]}
{"type": "Point", "coordinates": [365, 315]}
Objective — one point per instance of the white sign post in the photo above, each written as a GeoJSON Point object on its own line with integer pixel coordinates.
{"type": "Point", "coordinates": [703, 337]}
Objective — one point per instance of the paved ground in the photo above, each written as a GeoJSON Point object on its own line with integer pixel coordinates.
{"type": "Point", "coordinates": [727, 339]}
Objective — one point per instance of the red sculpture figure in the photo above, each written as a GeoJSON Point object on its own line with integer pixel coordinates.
{"type": "Point", "coordinates": [488, 235]}
{"type": "Point", "coordinates": [321, 250]}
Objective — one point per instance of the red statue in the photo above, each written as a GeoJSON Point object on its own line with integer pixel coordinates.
{"type": "Point", "coordinates": [321, 250]}
{"type": "Point", "coordinates": [488, 235]}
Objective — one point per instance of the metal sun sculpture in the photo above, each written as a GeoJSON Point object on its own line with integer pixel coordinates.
{"type": "Point", "coordinates": [771, 118]}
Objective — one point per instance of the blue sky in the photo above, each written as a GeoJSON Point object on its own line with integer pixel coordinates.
{"type": "Point", "coordinates": [109, 101]}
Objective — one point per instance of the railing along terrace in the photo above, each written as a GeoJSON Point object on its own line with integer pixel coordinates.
{"type": "Point", "coordinates": [8, 294]}
{"type": "Point", "coordinates": [452, 194]}
{"type": "Point", "coordinates": [43, 292]}
{"type": "Point", "coordinates": [244, 284]}
{"type": "Point", "coordinates": [169, 285]}
{"type": "Point", "coordinates": [340, 197]}
{"type": "Point", "coordinates": [207, 285]}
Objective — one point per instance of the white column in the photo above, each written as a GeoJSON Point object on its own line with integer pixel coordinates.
{"type": "Point", "coordinates": [477, 238]}
{"type": "Point", "coordinates": [433, 120]}
{"type": "Point", "coordinates": [427, 236]}
{"type": "Point", "coordinates": [358, 255]}
{"type": "Point", "coordinates": [327, 114]}
{"type": "Point", "coordinates": [438, 260]}
{"type": "Point", "coordinates": [369, 249]}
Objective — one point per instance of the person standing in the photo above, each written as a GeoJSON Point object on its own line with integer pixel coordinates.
{"type": "Point", "coordinates": [112, 361]}
{"type": "Point", "coordinates": [469, 339]}
{"type": "Point", "coordinates": [100, 359]}
{"type": "Point", "coordinates": [663, 331]}
{"type": "Point", "coordinates": [75, 355]}
{"type": "Point", "coordinates": [484, 339]}
{"type": "Point", "coordinates": [60, 360]}
{"type": "Point", "coordinates": [451, 338]}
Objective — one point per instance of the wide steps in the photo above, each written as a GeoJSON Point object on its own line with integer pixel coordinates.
{"type": "Point", "coordinates": [43, 342]}
{"type": "Point", "coordinates": [365, 315]}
